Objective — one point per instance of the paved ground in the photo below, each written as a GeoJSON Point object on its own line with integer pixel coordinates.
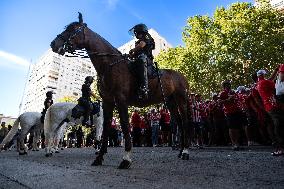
{"type": "Point", "coordinates": [152, 168]}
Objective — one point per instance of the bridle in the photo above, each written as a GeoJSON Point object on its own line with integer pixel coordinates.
{"type": "Point", "coordinates": [68, 46]}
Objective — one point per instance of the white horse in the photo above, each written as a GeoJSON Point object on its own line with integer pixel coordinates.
{"type": "Point", "coordinates": [29, 122]}
{"type": "Point", "coordinates": [59, 116]}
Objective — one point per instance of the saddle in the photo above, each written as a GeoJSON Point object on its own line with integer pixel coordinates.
{"type": "Point", "coordinates": [96, 108]}
{"type": "Point", "coordinates": [152, 71]}
{"type": "Point", "coordinates": [79, 110]}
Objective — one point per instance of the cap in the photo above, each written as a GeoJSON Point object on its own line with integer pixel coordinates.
{"type": "Point", "coordinates": [261, 72]}
{"type": "Point", "coordinates": [240, 89]}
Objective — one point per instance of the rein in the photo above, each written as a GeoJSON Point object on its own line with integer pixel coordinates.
{"type": "Point", "coordinates": [66, 45]}
{"type": "Point", "coordinates": [69, 48]}
{"type": "Point", "coordinates": [124, 56]}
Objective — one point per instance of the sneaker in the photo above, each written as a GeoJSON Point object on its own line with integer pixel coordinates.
{"type": "Point", "coordinates": [252, 143]}
{"type": "Point", "coordinates": [278, 153]}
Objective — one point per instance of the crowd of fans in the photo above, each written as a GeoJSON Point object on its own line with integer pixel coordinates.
{"type": "Point", "coordinates": [250, 115]}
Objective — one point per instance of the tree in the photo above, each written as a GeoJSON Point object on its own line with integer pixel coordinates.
{"type": "Point", "coordinates": [68, 99]}
{"type": "Point", "coordinates": [232, 44]}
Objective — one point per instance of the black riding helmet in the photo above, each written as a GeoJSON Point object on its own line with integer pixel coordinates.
{"type": "Point", "coordinates": [139, 28]}
{"type": "Point", "coordinates": [89, 79]}
{"type": "Point", "coordinates": [49, 94]}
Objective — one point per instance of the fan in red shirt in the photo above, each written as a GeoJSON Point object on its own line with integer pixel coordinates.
{"type": "Point", "coordinates": [233, 113]}
{"type": "Point", "coordinates": [144, 126]}
{"type": "Point", "coordinates": [208, 123]}
{"type": "Point", "coordinates": [249, 117]}
{"type": "Point", "coordinates": [154, 119]}
{"type": "Point", "coordinates": [258, 113]}
{"type": "Point", "coordinates": [113, 134]}
{"type": "Point", "coordinates": [218, 121]}
{"type": "Point", "coordinates": [165, 125]}
{"type": "Point", "coordinates": [191, 104]}
{"type": "Point", "coordinates": [136, 132]}
{"type": "Point", "coordinates": [198, 120]}
{"type": "Point", "coordinates": [266, 89]}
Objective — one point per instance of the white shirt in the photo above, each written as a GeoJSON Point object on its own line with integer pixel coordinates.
{"type": "Point", "coordinates": [279, 86]}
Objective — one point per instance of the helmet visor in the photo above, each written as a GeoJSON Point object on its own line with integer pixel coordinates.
{"type": "Point", "coordinates": [131, 31]}
{"type": "Point", "coordinates": [137, 29]}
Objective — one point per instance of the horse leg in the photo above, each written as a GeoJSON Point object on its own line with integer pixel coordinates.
{"type": "Point", "coordinates": [35, 140]}
{"type": "Point", "coordinates": [56, 144]}
{"type": "Point", "coordinates": [124, 122]}
{"type": "Point", "coordinates": [23, 150]}
{"type": "Point", "coordinates": [22, 147]}
{"type": "Point", "coordinates": [46, 143]}
{"type": "Point", "coordinates": [18, 145]}
{"type": "Point", "coordinates": [173, 108]}
{"type": "Point", "coordinates": [61, 136]}
{"type": "Point", "coordinates": [185, 128]}
{"type": "Point", "coordinates": [49, 138]}
{"type": "Point", "coordinates": [99, 128]}
{"type": "Point", "coordinates": [57, 137]}
{"type": "Point", "coordinates": [108, 108]}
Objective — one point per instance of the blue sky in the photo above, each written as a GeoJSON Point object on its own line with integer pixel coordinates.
{"type": "Point", "coordinates": [28, 27]}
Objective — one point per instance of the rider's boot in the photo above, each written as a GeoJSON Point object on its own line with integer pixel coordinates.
{"type": "Point", "coordinates": [143, 78]}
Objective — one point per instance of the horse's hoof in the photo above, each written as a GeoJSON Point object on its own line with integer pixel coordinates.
{"type": "Point", "coordinates": [98, 161]}
{"type": "Point", "coordinates": [23, 153]}
{"type": "Point", "coordinates": [185, 156]}
{"type": "Point", "coordinates": [125, 164]}
{"type": "Point", "coordinates": [180, 154]}
{"type": "Point", "coordinates": [48, 155]}
{"type": "Point", "coordinates": [57, 152]}
{"type": "Point", "coordinates": [33, 150]}
{"type": "Point", "coordinates": [97, 153]}
{"type": "Point", "coordinates": [37, 150]}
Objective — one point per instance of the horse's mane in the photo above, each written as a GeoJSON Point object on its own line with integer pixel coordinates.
{"type": "Point", "coordinates": [96, 35]}
{"type": "Point", "coordinates": [106, 42]}
{"type": "Point", "coordinates": [71, 25]}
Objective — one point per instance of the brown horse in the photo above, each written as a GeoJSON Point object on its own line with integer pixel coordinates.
{"type": "Point", "coordinates": [117, 86]}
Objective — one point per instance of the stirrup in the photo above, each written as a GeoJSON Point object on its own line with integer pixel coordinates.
{"type": "Point", "coordinates": [143, 92]}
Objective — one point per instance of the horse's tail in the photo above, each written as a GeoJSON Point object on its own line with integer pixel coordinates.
{"type": "Point", "coordinates": [12, 132]}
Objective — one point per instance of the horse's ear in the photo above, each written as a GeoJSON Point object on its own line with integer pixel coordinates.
{"type": "Point", "coordinates": [80, 18]}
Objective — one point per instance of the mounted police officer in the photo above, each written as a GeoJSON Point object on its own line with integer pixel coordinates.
{"type": "Point", "coordinates": [142, 55]}
{"type": "Point", "coordinates": [47, 103]}
{"type": "Point", "coordinates": [85, 100]}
